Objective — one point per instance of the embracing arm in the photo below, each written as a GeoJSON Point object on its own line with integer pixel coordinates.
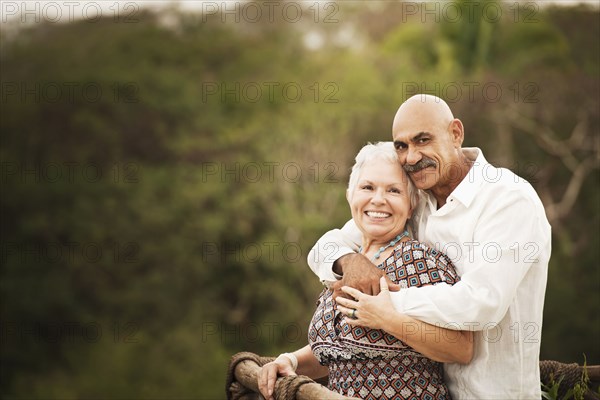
{"type": "Point", "coordinates": [330, 247]}
{"type": "Point", "coordinates": [334, 259]}
{"type": "Point", "coordinates": [434, 342]}
{"type": "Point", "coordinates": [512, 238]}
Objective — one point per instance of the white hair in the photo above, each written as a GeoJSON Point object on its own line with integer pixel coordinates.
{"type": "Point", "coordinates": [387, 152]}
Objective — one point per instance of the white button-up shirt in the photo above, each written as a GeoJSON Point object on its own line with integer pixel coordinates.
{"type": "Point", "coordinates": [494, 228]}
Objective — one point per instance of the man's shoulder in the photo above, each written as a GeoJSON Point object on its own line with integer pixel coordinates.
{"type": "Point", "coordinates": [498, 181]}
{"type": "Point", "coordinates": [508, 192]}
{"type": "Point", "coordinates": [494, 178]}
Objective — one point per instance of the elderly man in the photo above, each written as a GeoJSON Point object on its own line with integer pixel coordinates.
{"type": "Point", "coordinates": [492, 224]}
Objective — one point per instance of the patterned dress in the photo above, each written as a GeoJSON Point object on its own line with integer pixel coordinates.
{"type": "Point", "coordinates": [370, 363]}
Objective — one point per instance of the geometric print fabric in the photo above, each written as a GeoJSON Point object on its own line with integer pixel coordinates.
{"type": "Point", "coordinates": [388, 379]}
{"type": "Point", "coordinates": [371, 363]}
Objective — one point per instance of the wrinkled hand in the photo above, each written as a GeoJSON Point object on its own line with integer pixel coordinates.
{"type": "Point", "coordinates": [361, 274]}
{"type": "Point", "coordinates": [371, 311]}
{"type": "Point", "coordinates": [268, 374]}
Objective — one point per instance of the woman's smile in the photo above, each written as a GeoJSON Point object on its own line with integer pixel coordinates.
{"type": "Point", "coordinates": [378, 215]}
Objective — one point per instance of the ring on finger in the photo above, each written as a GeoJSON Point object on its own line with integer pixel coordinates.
{"type": "Point", "coordinates": [353, 314]}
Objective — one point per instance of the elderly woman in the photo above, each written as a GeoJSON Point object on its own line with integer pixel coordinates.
{"type": "Point", "coordinates": [376, 352]}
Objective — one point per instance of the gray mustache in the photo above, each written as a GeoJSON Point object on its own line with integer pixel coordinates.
{"type": "Point", "coordinates": [424, 163]}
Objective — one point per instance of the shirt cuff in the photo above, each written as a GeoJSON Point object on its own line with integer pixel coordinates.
{"type": "Point", "coordinates": [399, 299]}
{"type": "Point", "coordinates": [326, 274]}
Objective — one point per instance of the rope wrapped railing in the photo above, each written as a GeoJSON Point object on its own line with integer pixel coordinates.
{"type": "Point", "coordinates": [244, 367]}
{"type": "Point", "coordinates": [242, 382]}
{"type": "Point", "coordinates": [570, 375]}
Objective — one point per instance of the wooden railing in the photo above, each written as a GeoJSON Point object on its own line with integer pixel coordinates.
{"type": "Point", "coordinates": [244, 368]}
{"type": "Point", "coordinates": [242, 382]}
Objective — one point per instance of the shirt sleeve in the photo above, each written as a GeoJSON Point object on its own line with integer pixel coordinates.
{"type": "Point", "coordinates": [331, 246]}
{"type": "Point", "coordinates": [510, 236]}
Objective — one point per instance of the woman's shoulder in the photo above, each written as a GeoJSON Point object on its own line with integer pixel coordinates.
{"type": "Point", "coordinates": [415, 248]}
{"type": "Point", "coordinates": [419, 247]}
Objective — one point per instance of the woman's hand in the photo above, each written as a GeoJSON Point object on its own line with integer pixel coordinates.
{"type": "Point", "coordinates": [281, 366]}
{"type": "Point", "coordinates": [371, 311]}
{"type": "Point", "coordinates": [378, 312]}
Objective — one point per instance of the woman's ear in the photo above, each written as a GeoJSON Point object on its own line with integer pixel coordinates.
{"type": "Point", "coordinates": [348, 196]}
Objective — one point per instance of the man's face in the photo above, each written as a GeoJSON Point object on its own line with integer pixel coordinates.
{"type": "Point", "coordinates": [428, 152]}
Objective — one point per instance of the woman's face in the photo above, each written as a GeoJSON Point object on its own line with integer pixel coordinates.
{"type": "Point", "coordinates": [380, 203]}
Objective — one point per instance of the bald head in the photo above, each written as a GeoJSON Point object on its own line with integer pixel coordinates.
{"type": "Point", "coordinates": [428, 139]}
{"type": "Point", "coordinates": [423, 108]}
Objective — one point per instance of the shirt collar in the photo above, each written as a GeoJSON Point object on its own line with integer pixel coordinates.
{"type": "Point", "coordinates": [467, 189]}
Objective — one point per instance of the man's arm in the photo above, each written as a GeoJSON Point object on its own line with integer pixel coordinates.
{"type": "Point", "coordinates": [333, 245]}
{"type": "Point", "coordinates": [377, 312]}
{"type": "Point", "coordinates": [334, 259]}
{"type": "Point", "coordinates": [510, 238]}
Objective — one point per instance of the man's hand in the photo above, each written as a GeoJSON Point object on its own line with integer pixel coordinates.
{"type": "Point", "coordinates": [360, 273]}
{"type": "Point", "coordinates": [370, 311]}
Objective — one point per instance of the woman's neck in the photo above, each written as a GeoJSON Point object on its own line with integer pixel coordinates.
{"type": "Point", "coordinates": [370, 247]}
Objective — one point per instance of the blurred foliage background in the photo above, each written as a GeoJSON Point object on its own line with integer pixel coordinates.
{"type": "Point", "coordinates": [165, 173]}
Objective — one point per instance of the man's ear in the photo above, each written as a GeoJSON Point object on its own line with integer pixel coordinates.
{"type": "Point", "coordinates": [457, 131]}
